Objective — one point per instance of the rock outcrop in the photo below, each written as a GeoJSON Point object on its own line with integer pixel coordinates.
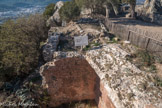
{"type": "Point", "coordinates": [151, 12]}
{"type": "Point", "coordinates": [55, 18]}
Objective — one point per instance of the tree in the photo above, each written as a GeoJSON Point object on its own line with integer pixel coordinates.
{"type": "Point", "coordinates": [94, 5]}
{"type": "Point", "coordinates": [69, 11]}
{"type": "Point", "coordinates": [49, 10]}
{"type": "Point", "coordinates": [113, 5]}
{"type": "Point", "coordinates": [132, 8]}
{"type": "Point", "coordinates": [97, 6]}
{"type": "Point", "coordinates": [20, 41]}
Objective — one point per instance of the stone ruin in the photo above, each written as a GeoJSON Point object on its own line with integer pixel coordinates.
{"type": "Point", "coordinates": [102, 74]}
{"type": "Point", "coordinates": [50, 46]}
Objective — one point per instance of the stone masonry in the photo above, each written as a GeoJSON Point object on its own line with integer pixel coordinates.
{"type": "Point", "coordinates": [50, 46]}
{"type": "Point", "coordinates": [119, 84]}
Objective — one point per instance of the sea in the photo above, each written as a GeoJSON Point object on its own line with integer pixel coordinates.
{"type": "Point", "coordinates": [12, 9]}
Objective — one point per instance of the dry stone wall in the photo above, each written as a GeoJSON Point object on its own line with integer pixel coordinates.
{"type": "Point", "coordinates": [151, 41]}
{"type": "Point", "coordinates": [50, 46]}
{"type": "Point", "coordinates": [126, 86]}
{"type": "Point", "coordinates": [116, 83]}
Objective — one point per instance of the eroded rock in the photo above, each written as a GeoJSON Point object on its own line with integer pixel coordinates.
{"type": "Point", "coordinates": [55, 18]}
{"type": "Point", "coordinates": [69, 79]}
{"type": "Point", "coordinates": [151, 12]}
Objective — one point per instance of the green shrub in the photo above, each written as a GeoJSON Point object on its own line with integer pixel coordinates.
{"type": "Point", "coordinates": [87, 48]}
{"type": "Point", "coordinates": [97, 44]}
{"type": "Point", "coordinates": [19, 45]}
{"type": "Point", "coordinates": [146, 57]}
{"type": "Point", "coordinates": [158, 81]}
{"type": "Point", "coordinates": [49, 10]}
{"type": "Point", "coordinates": [69, 11]}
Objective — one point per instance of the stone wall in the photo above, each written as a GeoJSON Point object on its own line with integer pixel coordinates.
{"type": "Point", "coordinates": [122, 83]}
{"type": "Point", "coordinates": [151, 41]}
{"type": "Point", "coordinates": [102, 74]}
{"type": "Point", "coordinates": [50, 46]}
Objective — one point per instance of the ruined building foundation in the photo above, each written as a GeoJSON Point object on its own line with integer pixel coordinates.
{"type": "Point", "coordinates": [102, 74]}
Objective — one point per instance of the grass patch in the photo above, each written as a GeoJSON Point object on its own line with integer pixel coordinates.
{"type": "Point", "coordinates": [143, 60]}
{"type": "Point", "coordinates": [146, 57]}
{"type": "Point", "coordinates": [88, 47]}
{"type": "Point", "coordinates": [97, 44]}
{"type": "Point", "coordinates": [158, 81]}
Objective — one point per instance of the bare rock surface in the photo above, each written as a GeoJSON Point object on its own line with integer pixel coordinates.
{"type": "Point", "coordinates": [126, 85]}
{"type": "Point", "coordinates": [69, 79]}
{"type": "Point", "coordinates": [152, 11]}
{"type": "Point", "coordinates": [55, 18]}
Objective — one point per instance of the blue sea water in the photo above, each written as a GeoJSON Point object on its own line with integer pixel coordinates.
{"type": "Point", "coordinates": [12, 9]}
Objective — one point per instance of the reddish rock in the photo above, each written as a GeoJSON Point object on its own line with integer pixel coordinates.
{"type": "Point", "coordinates": [102, 98]}
{"type": "Point", "coordinates": [71, 79]}
{"type": "Point", "coordinates": [150, 106]}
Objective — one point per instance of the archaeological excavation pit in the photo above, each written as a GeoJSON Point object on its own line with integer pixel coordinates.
{"type": "Point", "coordinates": [73, 80]}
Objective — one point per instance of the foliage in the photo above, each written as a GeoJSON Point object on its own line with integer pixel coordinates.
{"type": "Point", "coordinates": [88, 47]}
{"type": "Point", "coordinates": [80, 3]}
{"type": "Point", "coordinates": [69, 11]}
{"type": "Point", "coordinates": [132, 2]}
{"type": "Point", "coordinates": [146, 58]}
{"type": "Point", "coordinates": [94, 5]}
{"type": "Point", "coordinates": [49, 10]}
{"type": "Point", "coordinates": [19, 43]}
{"type": "Point", "coordinates": [158, 82]}
{"type": "Point", "coordinates": [97, 6]}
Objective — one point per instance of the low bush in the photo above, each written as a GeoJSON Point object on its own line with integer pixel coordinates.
{"type": "Point", "coordinates": [49, 10]}
{"type": "Point", "coordinates": [69, 11]}
{"type": "Point", "coordinates": [19, 45]}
